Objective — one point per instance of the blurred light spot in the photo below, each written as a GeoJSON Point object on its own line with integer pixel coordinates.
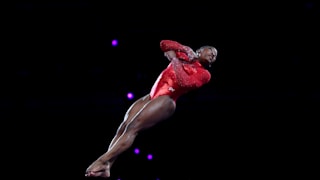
{"type": "Point", "coordinates": [130, 95]}
{"type": "Point", "coordinates": [149, 156]}
{"type": "Point", "coordinates": [136, 151]}
{"type": "Point", "coordinates": [114, 42]}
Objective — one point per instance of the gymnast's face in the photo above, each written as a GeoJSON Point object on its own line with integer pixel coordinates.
{"type": "Point", "coordinates": [207, 55]}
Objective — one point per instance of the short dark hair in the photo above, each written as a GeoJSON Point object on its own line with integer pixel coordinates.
{"type": "Point", "coordinates": [206, 47]}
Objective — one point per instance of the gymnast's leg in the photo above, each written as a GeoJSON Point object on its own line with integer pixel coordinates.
{"type": "Point", "coordinates": [143, 114]}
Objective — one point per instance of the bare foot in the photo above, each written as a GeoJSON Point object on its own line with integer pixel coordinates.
{"type": "Point", "coordinates": [98, 169]}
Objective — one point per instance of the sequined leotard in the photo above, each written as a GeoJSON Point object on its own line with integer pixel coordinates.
{"type": "Point", "coordinates": [180, 76]}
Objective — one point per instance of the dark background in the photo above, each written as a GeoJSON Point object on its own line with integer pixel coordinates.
{"type": "Point", "coordinates": [64, 88]}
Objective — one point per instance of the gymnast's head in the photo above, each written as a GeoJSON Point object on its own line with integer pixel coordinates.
{"type": "Point", "coordinates": [207, 54]}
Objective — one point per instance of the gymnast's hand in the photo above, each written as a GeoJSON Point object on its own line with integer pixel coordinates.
{"type": "Point", "coordinates": [192, 55]}
{"type": "Point", "coordinates": [170, 55]}
{"type": "Point", "coordinates": [98, 169]}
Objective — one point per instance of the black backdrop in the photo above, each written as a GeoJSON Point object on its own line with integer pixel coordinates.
{"type": "Point", "coordinates": [64, 86]}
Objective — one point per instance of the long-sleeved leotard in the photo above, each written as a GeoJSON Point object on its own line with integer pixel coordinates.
{"type": "Point", "coordinates": [181, 75]}
{"type": "Point", "coordinates": [185, 52]}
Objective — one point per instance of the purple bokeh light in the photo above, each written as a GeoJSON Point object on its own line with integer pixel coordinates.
{"type": "Point", "coordinates": [136, 151]}
{"type": "Point", "coordinates": [149, 156]}
{"type": "Point", "coordinates": [114, 42]}
{"type": "Point", "coordinates": [130, 95]}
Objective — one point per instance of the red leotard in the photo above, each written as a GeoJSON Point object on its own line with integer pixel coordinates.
{"type": "Point", "coordinates": [181, 76]}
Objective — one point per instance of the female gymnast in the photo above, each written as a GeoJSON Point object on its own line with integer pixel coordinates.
{"type": "Point", "coordinates": [185, 72]}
